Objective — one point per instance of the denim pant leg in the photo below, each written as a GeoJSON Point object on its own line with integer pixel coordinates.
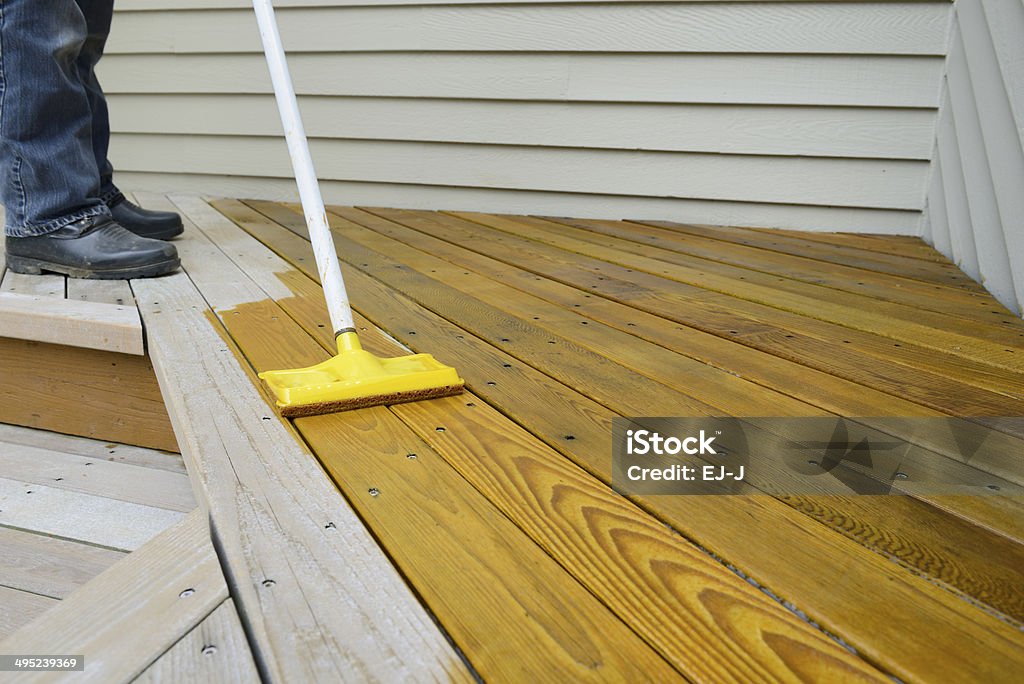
{"type": "Point", "coordinates": [98, 15]}
{"type": "Point", "coordinates": [48, 172]}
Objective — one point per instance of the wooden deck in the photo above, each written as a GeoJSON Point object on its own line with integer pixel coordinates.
{"type": "Point", "coordinates": [70, 508]}
{"type": "Point", "coordinates": [479, 535]}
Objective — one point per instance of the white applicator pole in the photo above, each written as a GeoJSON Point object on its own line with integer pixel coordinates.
{"type": "Point", "coordinates": [309, 190]}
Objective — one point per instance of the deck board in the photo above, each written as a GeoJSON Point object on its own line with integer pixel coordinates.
{"type": "Point", "coordinates": [376, 288]}
{"type": "Point", "coordinates": [133, 612]}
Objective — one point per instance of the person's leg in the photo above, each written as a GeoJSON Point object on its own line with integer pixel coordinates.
{"type": "Point", "coordinates": [49, 175]}
{"type": "Point", "coordinates": [156, 224]}
{"type": "Point", "coordinates": [98, 17]}
{"type": "Point", "coordinates": [49, 180]}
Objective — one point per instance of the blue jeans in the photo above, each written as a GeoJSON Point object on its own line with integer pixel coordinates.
{"type": "Point", "coordinates": [54, 126]}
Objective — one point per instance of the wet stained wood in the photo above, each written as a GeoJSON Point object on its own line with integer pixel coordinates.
{"type": "Point", "coordinates": [538, 406]}
{"type": "Point", "coordinates": [675, 596]}
{"type": "Point", "coordinates": [91, 393]}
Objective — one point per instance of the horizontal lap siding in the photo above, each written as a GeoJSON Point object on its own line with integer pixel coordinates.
{"type": "Point", "coordinates": [814, 115]}
{"type": "Point", "coordinates": [975, 199]}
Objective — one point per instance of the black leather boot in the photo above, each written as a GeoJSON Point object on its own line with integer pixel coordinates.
{"type": "Point", "coordinates": [161, 225]}
{"type": "Point", "coordinates": [94, 247]}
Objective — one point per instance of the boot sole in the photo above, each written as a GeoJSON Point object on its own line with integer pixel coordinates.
{"type": "Point", "coordinates": [30, 266]}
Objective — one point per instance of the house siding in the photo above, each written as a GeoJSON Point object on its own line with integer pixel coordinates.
{"type": "Point", "coordinates": [810, 115]}
{"type": "Point", "coordinates": [975, 202]}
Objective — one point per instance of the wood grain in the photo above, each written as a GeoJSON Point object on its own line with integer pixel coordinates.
{"type": "Point", "coordinates": [18, 608]}
{"type": "Point", "coordinates": [72, 322]}
{"type": "Point", "coordinates": [46, 285]}
{"type": "Point", "coordinates": [107, 451]}
{"type": "Point", "coordinates": [733, 393]}
{"type": "Point", "coordinates": [882, 262]}
{"type": "Point", "coordinates": [49, 566]}
{"type": "Point", "coordinates": [81, 517]}
{"type": "Point", "coordinates": [817, 595]}
{"type": "Point", "coordinates": [72, 472]}
{"type": "Point", "coordinates": [215, 650]}
{"type": "Point", "coordinates": [91, 393]}
{"type": "Point", "coordinates": [530, 484]}
{"type": "Point", "coordinates": [827, 347]}
{"type": "Point", "coordinates": [491, 571]}
{"type": "Point", "coordinates": [980, 342]}
{"type": "Point", "coordinates": [950, 301]}
{"type": "Point", "coordinates": [117, 292]}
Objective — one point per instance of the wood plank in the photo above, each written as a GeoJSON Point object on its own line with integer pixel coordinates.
{"type": "Point", "coordinates": [102, 291]}
{"type": "Point", "coordinates": [655, 362]}
{"type": "Point", "coordinates": [91, 325]}
{"type": "Point", "coordinates": [548, 410]}
{"type": "Point", "coordinates": [131, 483]}
{"type": "Point", "coordinates": [494, 570]}
{"type": "Point", "coordinates": [124, 619]}
{"type": "Point", "coordinates": [215, 650]}
{"type": "Point", "coordinates": [744, 129]}
{"type": "Point", "coordinates": [854, 310]}
{"type": "Point", "coordinates": [98, 394]}
{"type": "Point", "coordinates": [840, 80]}
{"type": "Point", "coordinates": [45, 285]}
{"type": "Point", "coordinates": [900, 298]}
{"type": "Point", "coordinates": [901, 245]}
{"type": "Point", "coordinates": [512, 455]}
{"type": "Point", "coordinates": [107, 451]}
{"type": "Point", "coordinates": [18, 608]}
{"type": "Point", "coordinates": [733, 392]}
{"type": "Point", "coordinates": [897, 265]}
{"type": "Point", "coordinates": [334, 607]}
{"type": "Point", "coordinates": [49, 566]}
{"type": "Point", "coordinates": [774, 330]}
{"type": "Point", "coordinates": [81, 517]}
{"type": "Point", "coordinates": [809, 385]}
{"type": "Point", "coordinates": [883, 184]}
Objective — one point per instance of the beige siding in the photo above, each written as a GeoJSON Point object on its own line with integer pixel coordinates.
{"type": "Point", "coordinates": [813, 115]}
{"type": "Point", "coordinates": [975, 200]}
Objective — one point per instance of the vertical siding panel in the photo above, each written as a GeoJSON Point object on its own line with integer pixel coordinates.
{"type": "Point", "coordinates": [938, 221]}
{"type": "Point", "coordinates": [961, 235]}
{"type": "Point", "coordinates": [1005, 161]}
{"type": "Point", "coordinates": [987, 228]}
{"type": "Point", "coordinates": [1005, 20]}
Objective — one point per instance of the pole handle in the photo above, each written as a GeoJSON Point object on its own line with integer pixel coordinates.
{"type": "Point", "coordinates": [305, 177]}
